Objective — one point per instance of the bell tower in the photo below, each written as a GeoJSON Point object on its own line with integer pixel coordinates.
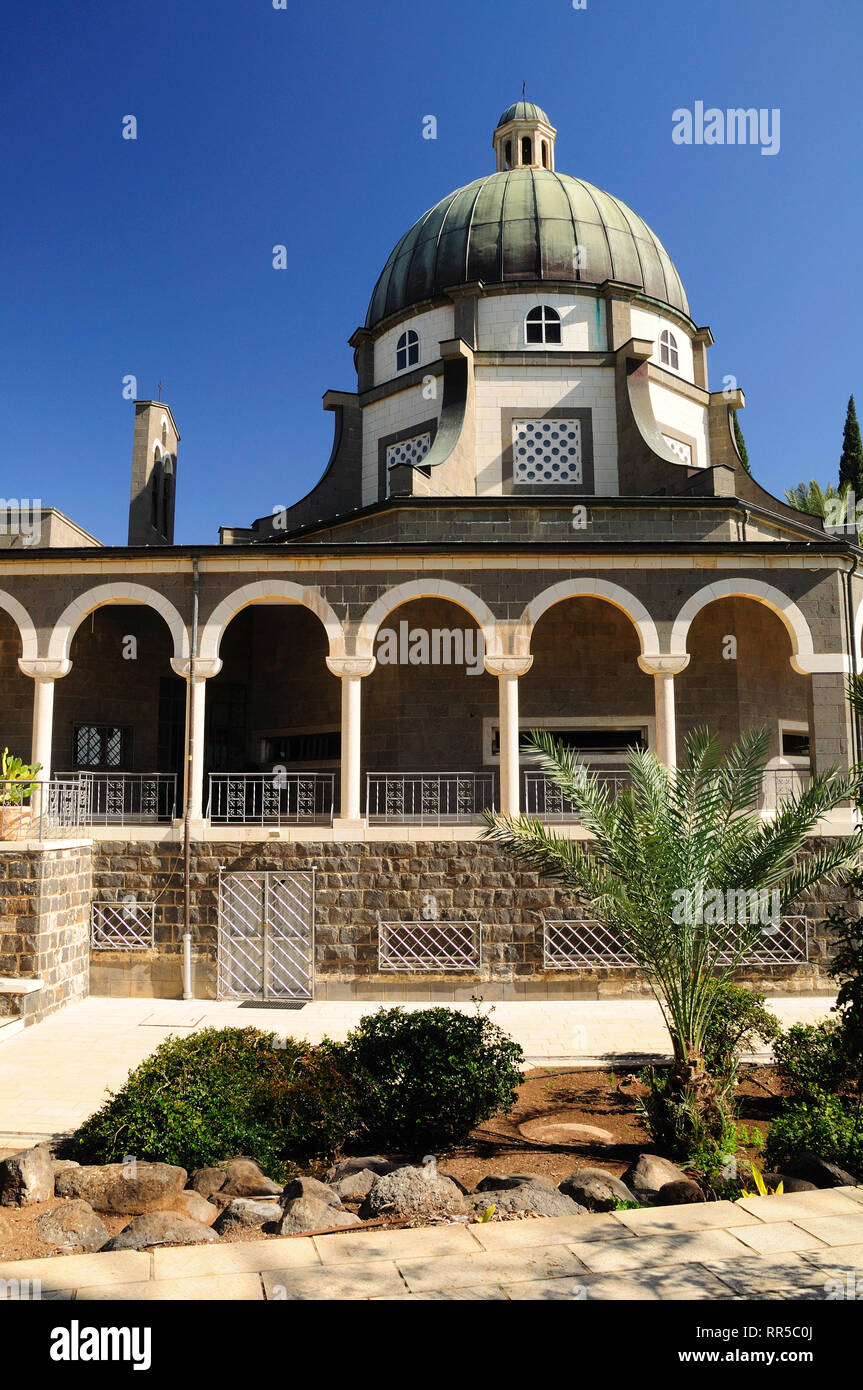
{"type": "Point", "coordinates": [154, 475]}
{"type": "Point", "coordinates": [524, 138]}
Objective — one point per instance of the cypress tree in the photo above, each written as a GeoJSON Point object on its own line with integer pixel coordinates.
{"type": "Point", "coordinates": [741, 443]}
{"type": "Point", "coordinates": [851, 462]}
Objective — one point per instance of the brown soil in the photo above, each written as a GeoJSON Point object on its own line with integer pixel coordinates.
{"type": "Point", "coordinates": [605, 1100]}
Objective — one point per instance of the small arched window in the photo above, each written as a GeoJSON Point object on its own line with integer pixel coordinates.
{"type": "Point", "coordinates": [542, 325]}
{"type": "Point", "coordinates": [164, 433]}
{"type": "Point", "coordinates": [668, 355]}
{"type": "Point", "coordinates": [407, 350]}
{"type": "Point", "coordinates": [526, 150]}
{"type": "Point", "coordinates": [544, 154]}
{"type": "Point", "coordinates": [507, 154]}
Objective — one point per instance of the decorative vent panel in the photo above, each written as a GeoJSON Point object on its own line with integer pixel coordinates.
{"type": "Point", "coordinates": [411, 450]}
{"type": "Point", "coordinates": [546, 451]}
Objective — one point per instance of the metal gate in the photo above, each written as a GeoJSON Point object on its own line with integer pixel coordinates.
{"type": "Point", "coordinates": [266, 935]}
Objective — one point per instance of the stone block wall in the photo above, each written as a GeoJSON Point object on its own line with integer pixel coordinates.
{"type": "Point", "coordinates": [45, 899]}
{"type": "Point", "coordinates": [359, 884]}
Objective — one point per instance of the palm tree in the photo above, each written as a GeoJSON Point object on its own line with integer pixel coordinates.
{"type": "Point", "coordinates": [674, 840]}
{"type": "Point", "coordinates": [829, 502]}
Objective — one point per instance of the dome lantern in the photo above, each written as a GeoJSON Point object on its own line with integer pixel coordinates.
{"type": "Point", "coordinates": [524, 138]}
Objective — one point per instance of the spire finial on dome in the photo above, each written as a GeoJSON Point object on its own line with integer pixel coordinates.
{"type": "Point", "coordinates": [524, 137]}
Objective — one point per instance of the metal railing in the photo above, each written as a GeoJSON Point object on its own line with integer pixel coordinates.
{"type": "Point", "coordinates": [429, 798]}
{"type": "Point", "coordinates": [418, 946]}
{"type": "Point", "coordinates": [544, 799]}
{"type": "Point", "coordinates": [127, 798]}
{"type": "Point", "coordinates": [588, 944]}
{"type": "Point", "coordinates": [42, 810]}
{"type": "Point", "coordinates": [271, 798]}
{"type": "Point", "coordinates": [126, 926]}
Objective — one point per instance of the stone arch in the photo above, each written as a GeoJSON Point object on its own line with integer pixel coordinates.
{"type": "Point", "coordinates": [74, 614]}
{"type": "Point", "coordinates": [426, 588]}
{"type": "Point", "coordinates": [19, 615]}
{"type": "Point", "coordinates": [785, 609]}
{"type": "Point", "coordinates": [587, 588]}
{"type": "Point", "coordinates": [270, 591]}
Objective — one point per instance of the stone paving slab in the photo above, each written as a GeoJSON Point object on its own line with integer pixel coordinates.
{"type": "Point", "coordinates": [669, 1249]}
{"type": "Point", "coordinates": [424, 1242]}
{"type": "Point", "coordinates": [511, 1266]}
{"type": "Point", "coordinates": [696, 1216]}
{"type": "Point", "coordinates": [796, 1206]}
{"type": "Point", "coordinates": [378, 1279]}
{"type": "Point", "coordinates": [553, 1230]}
{"type": "Point", "coordinates": [834, 1230]}
{"type": "Point", "coordinates": [231, 1288]}
{"type": "Point", "coordinates": [851, 1256]}
{"type": "Point", "coordinates": [777, 1237]}
{"type": "Point", "coordinates": [776, 1276]}
{"type": "Point", "coordinates": [243, 1257]}
{"type": "Point", "coordinates": [69, 1272]}
{"type": "Point", "coordinates": [637, 1285]}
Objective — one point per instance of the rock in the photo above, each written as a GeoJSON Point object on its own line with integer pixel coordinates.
{"type": "Point", "coordinates": [192, 1204]}
{"type": "Point", "coordinates": [207, 1181]}
{"type": "Point", "coordinates": [789, 1184]}
{"type": "Point", "coordinates": [595, 1189]}
{"type": "Point", "coordinates": [62, 1165]}
{"type": "Point", "coordinates": [354, 1186]}
{"type": "Point", "coordinates": [245, 1179]}
{"type": "Point", "coordinates": [27, 1177]}
{"type": "Point", "coordinates": [678, 1193]}
{"type": "Point", "coordinates": [311, 1214]}
{"type": "Point", "coordinates": [541, 1201]}
{"type": "Point", "coordinates": [310, 1187]}
{"type": "Point", "coordinates": [376, 1163]}
{"type": "Point", "coordinates": [818, 1171]}
{"type": "Point", "coordinates": [502, 1182]}
{"type": "Point", "coordinates": [121, 1187]}
{"type": "Point", "coordinates": [249, 1212]}
{"type": "Point", "coordinates": [558, 1129]}
{"type": "Point", "coordinates": [413, 1192]}
{"type": "Point", "coordinates": [161, 1228]}
{"type": "Point", "coordinates": [648, 1174]}
{"type": "Point", "coordinates": [73, 1226]}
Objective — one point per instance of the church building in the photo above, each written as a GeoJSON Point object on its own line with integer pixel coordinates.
{"type": "Point", "coordinates": [534, 515]}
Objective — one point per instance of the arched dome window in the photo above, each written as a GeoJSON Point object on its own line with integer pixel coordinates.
{"type": "Point", "coordinates": [407, 350]}
{"type": "Point", "coordinates": [668, 355]}
{"type": "Point", "coordinates": [507, 154]}
{"type": "Point", "coordinates": [542, 325]}
{"type": "Point", "coordinates": [545, 154]}
{"type": "Point", "coordinates": [527, 150]}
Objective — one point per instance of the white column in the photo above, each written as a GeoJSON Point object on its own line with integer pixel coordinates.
{"type": "Point", "coordinates": [508, 669]}
{"type": "Point", "coordinates": [351, 671]}
{"type": "Point", "coordinates": [664, 668]}
{"type": "Point", "coordinates": [193, 760]}
{"type": "Point", "coordinates": [44, 673]}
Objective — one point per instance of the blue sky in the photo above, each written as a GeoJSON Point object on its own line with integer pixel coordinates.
{"type": "Point", "coordinates": [303, 126]}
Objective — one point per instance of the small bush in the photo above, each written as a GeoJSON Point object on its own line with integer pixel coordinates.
{"type": "Point", "coordinates": [738, 1020]}
{"type": "Point", "coordinates": [825, 1125]}
{"type": "Point", "coordinates": [677, 1128]}
{"type": "Point", "coordinates": [209, 1096]}
{"type": "Point", "coordinates": [425, 1079]}
{"type": "Point", "coordinates": [811, 1059]}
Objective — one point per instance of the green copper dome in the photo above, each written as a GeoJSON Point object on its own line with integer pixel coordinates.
{"type": "Point", "coordinates": [523, 111]}
{"type": "Point", "coordinates": [524, 224]}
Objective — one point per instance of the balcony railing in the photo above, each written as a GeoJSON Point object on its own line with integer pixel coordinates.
{"type": "Point", "coordinates": [271, 798]}
{"type": "Point", "coordinates": [126, 798]}
{"type": "Point", "coordinates": [545, 800]}
{"type": "Point", "coordinates": [429, 798]}
{"type": "Point", "coordinates": [42, 810]}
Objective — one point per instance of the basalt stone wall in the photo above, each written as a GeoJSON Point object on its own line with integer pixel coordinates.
{"type": "Point", "coordinates": [357, 885]}
{"type": "Point", "coordinates": [45, 899]}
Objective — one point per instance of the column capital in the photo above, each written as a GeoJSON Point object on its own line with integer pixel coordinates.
{"type": "Point", "coordinates": [205, 667]}
{"type": "Point", "coordinates": [45, 668]}
{"type": "Point", "coordinates": [500, 665]}
{"type": "Point", "coordinates": [351, 665]}
{"type": "Point", "coordinates": [663, 663]}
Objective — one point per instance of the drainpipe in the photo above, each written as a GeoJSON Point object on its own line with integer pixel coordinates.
{"type": "Point", "coordinates": [188, 992]}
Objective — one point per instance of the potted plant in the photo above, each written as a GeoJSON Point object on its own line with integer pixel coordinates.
{"type": "Point", "coordinates": [16, 788]}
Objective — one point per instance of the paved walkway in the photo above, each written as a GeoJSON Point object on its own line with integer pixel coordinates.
{"type": "Point", "coordinates": [54, 1074]}
{"type": "Point", "coordinates": [805, 1245]}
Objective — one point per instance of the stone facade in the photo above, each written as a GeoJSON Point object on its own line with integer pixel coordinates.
{"type": "Point", "coordinates": [359, 885]}
{"type": "Point", "coordinates": [45, 896]}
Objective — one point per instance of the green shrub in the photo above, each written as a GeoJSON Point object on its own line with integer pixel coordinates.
{"type": "Point", "coordinates": [738, 1019]}
{"type": "Point", "coordinates": [425, 1079]}
{"type": "Point", "coordinates": [216, 1094]}
{"type": "Point", "coordinates": [825, 1125]}
{"type": "Point", "coordinates": [677, 1126]}
{"type": "Point", "coordinates": [811, 1059]}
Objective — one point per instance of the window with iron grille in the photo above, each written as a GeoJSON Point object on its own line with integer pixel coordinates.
{"type": "Point", "coordinates": [101, 746]}
{"type": "Point", "coordinates": [546, 451]}
{"type": "Point", "coordinates": [312, 746]}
